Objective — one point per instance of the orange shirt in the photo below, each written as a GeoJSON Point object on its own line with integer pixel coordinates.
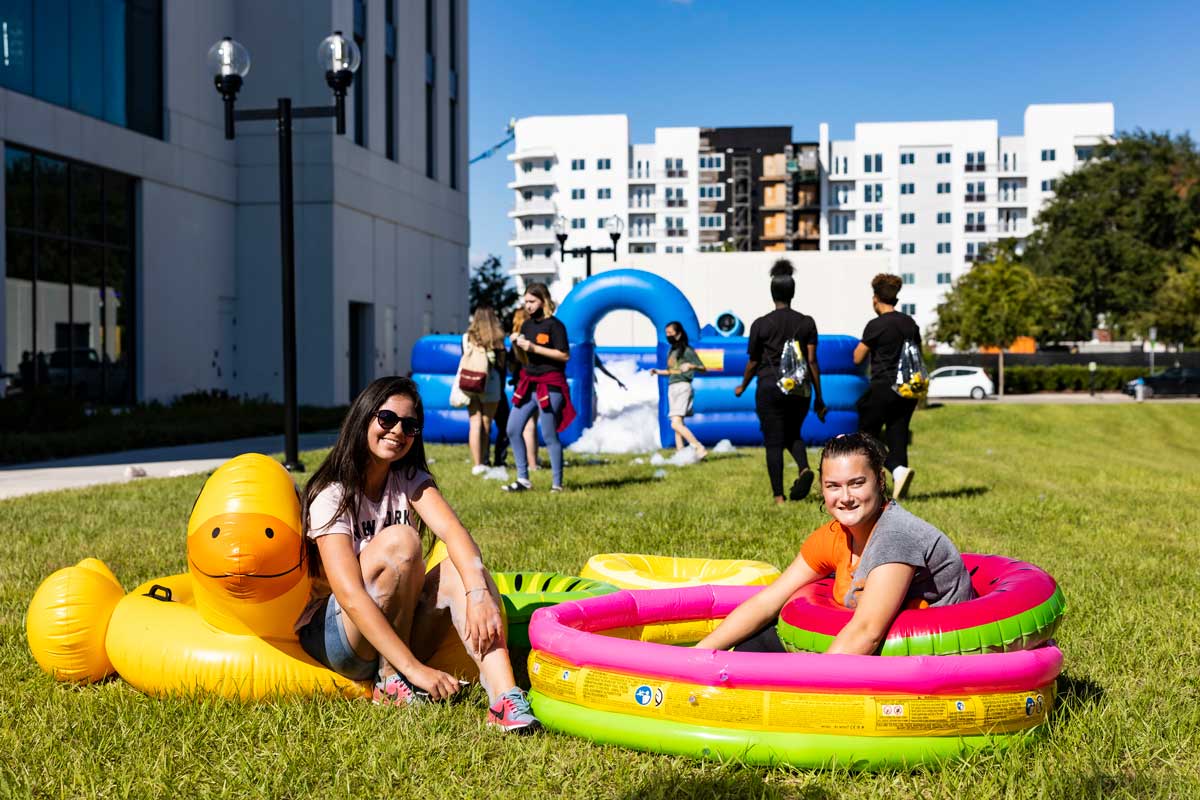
{"type": "Point", "coordinates": [826, 550]}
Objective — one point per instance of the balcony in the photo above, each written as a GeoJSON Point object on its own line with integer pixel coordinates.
{"type": "Point", "coordinates": [536, 266]}
{"type": "Point", "coordinates": [534, 177]}
{"type": "Point", "coordinates": [673, 233]}
{"type": "Point", "coordinates": [675, 173]}
{"type": "Point", "coordinates": [974, 198]}
{"type": "Point", "coordinates": [533, 153]}
{"type": "Point", "coordinates": [1013, 199]}
{"type": "Point", "coordinates": [970, 228]}
{"type": "Point", "coordinates": [533, 236]}
{"type": "Point", "coordinates": [644, 232]}
{"type": "Point", "coordinates": [642, 176]}
{"type": "Point", "coordinates": [534, 208]}
{"type": "Point", "coordinates": [677, 202]}
{"type": "Point", "coordinates": [643, 207]}
{"type": "Point", "coordinates": [975, 167]}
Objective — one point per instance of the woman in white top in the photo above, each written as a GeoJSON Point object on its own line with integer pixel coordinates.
{"type": "Point", "coordinates": [376, 613]}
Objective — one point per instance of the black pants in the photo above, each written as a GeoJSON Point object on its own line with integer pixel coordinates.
{"type": "Point", "coordinates": [880, 407]}
{"type": "Point", "coordinates": [766, 640]}
{"type": "Point", "coordinates": [501, 420]}
{"type": "Point", "coordinates": [780, 417]}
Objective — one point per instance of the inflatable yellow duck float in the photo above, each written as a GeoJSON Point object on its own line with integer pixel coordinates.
{"type": "Point", "coordinates": [223, 627]}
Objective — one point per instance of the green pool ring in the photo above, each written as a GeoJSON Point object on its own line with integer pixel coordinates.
{"type": "Point", "coordinates": [526, 592]}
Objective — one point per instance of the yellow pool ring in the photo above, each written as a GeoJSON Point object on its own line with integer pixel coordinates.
{"type": "Point", "coordinates": [631, 571]}
{"type": "Point", "coordinates": [225, 627]}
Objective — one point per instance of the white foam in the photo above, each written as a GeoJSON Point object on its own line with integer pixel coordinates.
{"type": "Point", "coordinates": [724, 446]}
{"type": "Point", "coordinates": [626, 420]}
{"type": "Point", "coordinates": [660, 473]}
{"type": "Point", "coordinates": [496, 474]}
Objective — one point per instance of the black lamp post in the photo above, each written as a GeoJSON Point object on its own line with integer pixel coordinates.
{"type": "Point", "coordinates": [230, 62]}
{"type": "Point", "coordinates": [613, 225]}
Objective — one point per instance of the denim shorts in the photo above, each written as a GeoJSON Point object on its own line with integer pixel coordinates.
{"type": "Point", "coordinates": [324, 638]}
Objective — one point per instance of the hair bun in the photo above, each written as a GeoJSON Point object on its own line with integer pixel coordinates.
{"type": "Point", "coordinates": [782, 268]}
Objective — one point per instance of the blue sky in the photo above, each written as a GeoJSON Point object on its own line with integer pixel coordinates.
{"type": "Point", "coordinates": [759, 62]}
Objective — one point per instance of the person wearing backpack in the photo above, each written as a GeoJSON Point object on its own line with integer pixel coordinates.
{"type": "Point", "coordinates": [782, 400]}
{"type": "Point", "coordinates": [882, 407]}
{"type": "Point", "coordinates": [483, 353]}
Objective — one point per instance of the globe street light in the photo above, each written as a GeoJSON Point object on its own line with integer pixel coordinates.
{"type": "Point", "coordinates": [614, 225]}
{"type": "Point", "coordinates": [229, 63]}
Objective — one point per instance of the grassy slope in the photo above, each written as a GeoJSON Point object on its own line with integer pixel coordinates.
{"type": "Point", "coordinates": [1104, 498]}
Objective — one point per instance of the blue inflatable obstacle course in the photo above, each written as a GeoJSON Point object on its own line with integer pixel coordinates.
{"type": "Point", "coordinates": [718, 413]}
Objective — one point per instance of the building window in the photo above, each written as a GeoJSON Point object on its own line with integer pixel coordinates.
{"type": "Point", "coordinates": [943, 217]}
{"type": "Point", "coordinates": [908, 249]}
{"type": "Point", "coordinates": [81, 56]}
{"type": "Point", "coordinates": [943, 188]}
{"type": "Point", "coordinates": [943, 248]}
{"type": "Point", "coordinates": [578, 223]}
{"type": "Point", "coordinates": [1048, 185]}
{"type": "Point", "coordinates": [975, 192]}
{"type": "Point", "coordinates": [976, 161]}
{"type": "Point", "coordinates": [875, 246]}
{"type": "Point", "coordinates": [971, 250]}
{"type": "Point", "coordinates": [841, 246]}
{"type": "Point", "coordinates": [578, 194]}
{"type": "Point", "coordinates": [389, 81]}
{"type": "Point", "coordinates": [873, 162]}
{"type": "Point", "coordinates": [604, 194]}
{"type": "Point", "coordinates": [69, 277]}
{"type": "Point", "coordinates": [908, 308]}
{"type": "Point", "coordinates": [908, 218]}
{"type": "Point", "coordinates": [908, 158]}
{"type": "Point", "coordinates": [577, 164]}
{"type": "Point", "coordinates": [872, 192]}
{"type": "Point", "coordinates": [603, 163]}
{"type": "Point", "coordinates": [1084, 153]}
{"type": "Point", "coordinates": [712, 221]}
{"type": "Point", "coordinates": [943, 278]}
{"type": "Point", "coordinates": [908, 278]}
{"type": "Point", "coordinates": [600, 222]}
{"type": "Point", "coordinates": [360, 77]}
{"type": "Point", "coordinates": [1047, 155]}
{"type": "Point", "coordinates": [452, 24]}
{"type": "Point", "coordinates": [527, 253]}
{"type": "Point", "coordinates": [839, 224]}
{"type": "Point", "coordinates": [715, 162]}
{"type": "Point", "coordinates": [430, 74]}
{"type": "Point", "coordinates": [712, 191]}
{"type": "Point", "coordinates": [975, 223]}
{"type": "Point", "coordinates": [907, 188]}
{"type": "Point", "coordinates": [873, 223]}
{"type": "Point", "coordinates": [943, 157]}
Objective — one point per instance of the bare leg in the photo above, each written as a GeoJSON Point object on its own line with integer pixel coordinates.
{"type": "Point", "coordinates": [682, 432]}
{"type": "Point", "coordinates": [443, 594]}
{"type": "Point", "coordinates": [474, 437]}
{"type": "Point", "coordinates": [393, 572]}
{"type": "Point", "coordinates": [530, 435]}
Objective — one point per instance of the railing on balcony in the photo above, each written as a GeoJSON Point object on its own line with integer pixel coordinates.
{"type": "Point", "coordinates": [677, 232]}
{"type": "Point", "coordinates": [974, 198]}
{"type": "Point", "coordinates": [974, 228]}
{"type": "Point", "coordinates": [676, 173]}
{"type": "Point", "coordinates": [534, 208]}
{"type": "Point", "coordinates": [534, 235]}
{"type": "Point", "coordinates": [975, 168]}
{"type": "Point", "coordinates": [538, 265]}
{"type": "Point", "coordinates": [677, 202]}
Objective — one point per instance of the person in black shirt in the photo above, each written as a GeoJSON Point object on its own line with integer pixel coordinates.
{"type": "Point", "coordinates": [881, 407]}
{"type": "Point", "coordinates": [781, 415]}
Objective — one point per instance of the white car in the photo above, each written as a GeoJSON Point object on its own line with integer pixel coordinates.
{"type": "Point", "coordinates": [970, 382]}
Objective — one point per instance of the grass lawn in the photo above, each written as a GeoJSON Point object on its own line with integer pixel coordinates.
{"type": "Point", "coordinates": [1105, 498]}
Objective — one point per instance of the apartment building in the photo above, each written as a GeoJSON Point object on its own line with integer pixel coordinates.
{"type": "Point", "coordinates": [691, 189]}
{"type": "Point", "coordinates": [142, 249]}
{"type": "Point", "coordinates": [931, 195]}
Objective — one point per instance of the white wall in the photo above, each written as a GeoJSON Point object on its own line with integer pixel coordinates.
{"type": "Point", "coordinates": [834, 288]}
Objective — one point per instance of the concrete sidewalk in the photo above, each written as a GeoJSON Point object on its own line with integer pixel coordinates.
{"type": "Point", "coordinates": [154, 462]}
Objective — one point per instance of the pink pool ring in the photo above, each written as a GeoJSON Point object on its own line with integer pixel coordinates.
{"type": "Point", "coordinates": [599, 669]}
{"type": "Point", "coordinates": [1018, 608]}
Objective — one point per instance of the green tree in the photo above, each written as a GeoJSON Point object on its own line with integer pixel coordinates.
{"type": "Point", "coordinates": [490, 285]}
{"type": "Point", "coordinates": [990, 306]}
{"type": "Point", "coordinates": [1114, 227]}
{"type": "Point", "coordinates": [1176, 311]}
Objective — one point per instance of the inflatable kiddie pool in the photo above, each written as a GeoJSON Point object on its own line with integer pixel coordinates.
{"type": "Point", "coordinates": [803, 709]}
{"type": "Point", "coordinates": [1018, 608]}
{"type": "Point", "coordinates": [635, 571]}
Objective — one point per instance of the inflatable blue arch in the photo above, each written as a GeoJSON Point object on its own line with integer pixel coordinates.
{"type": "Point", "coordinates": [718, 413]}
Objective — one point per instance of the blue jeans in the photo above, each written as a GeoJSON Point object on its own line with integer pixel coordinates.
{"type": "Point", "coordinates": [548, 422]}
{"type": "Point", "coordinates": [324, 638]}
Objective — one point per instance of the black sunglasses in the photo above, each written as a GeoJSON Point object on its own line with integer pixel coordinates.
{"type": "Point", "coordinates": [409, 426]}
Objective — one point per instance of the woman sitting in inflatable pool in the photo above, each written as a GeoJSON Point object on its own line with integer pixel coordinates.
{"type": "Point", "coordinates": [884, 559]}
{"type": "Point", "coordinates": [377, 613]}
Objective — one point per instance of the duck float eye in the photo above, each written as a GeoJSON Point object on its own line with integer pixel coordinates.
{"type": "Point", "coordinates": [216, 532]}
{"type": "Point", "coordinates": [270, 533]}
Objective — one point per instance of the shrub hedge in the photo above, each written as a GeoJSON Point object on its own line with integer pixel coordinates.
{"type": "Point", "coordinates": [44, 425]}
{"type": "Point", "coordinates": [1067, 378]}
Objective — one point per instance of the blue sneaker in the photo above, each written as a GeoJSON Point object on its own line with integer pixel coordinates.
{"type": "Point", "coordinates": [511, 713]}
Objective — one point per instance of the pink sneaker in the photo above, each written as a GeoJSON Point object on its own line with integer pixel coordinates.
{"type": "Point", "coordinates": [512, 713]}
{"type": "Point", "coordinates": [397, 690]}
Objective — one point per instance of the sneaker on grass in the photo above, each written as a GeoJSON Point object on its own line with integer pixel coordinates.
{"type": "Point", "coordinates": [479, 469]}
{"type": "Point", "coordinates": [511, 713]}
{"type": "Point", "coordinates": [519, 485]}
{"type": "Point", "coordinates": [397, 690]}
{"type": "Point", "coordinates": [901, 479]}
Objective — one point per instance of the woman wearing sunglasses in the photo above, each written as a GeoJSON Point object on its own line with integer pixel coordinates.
{"type": "Point", "coordinates": [374, 612]}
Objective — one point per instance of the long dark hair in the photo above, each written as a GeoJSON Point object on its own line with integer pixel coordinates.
{"type": "Point", "coordinates": [681, 343]}
{"type": "Point", "coordinates": [346, 463]}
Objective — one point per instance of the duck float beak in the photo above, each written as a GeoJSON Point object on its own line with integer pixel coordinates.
{"type": "Point", "coordinates": [250, 557]}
